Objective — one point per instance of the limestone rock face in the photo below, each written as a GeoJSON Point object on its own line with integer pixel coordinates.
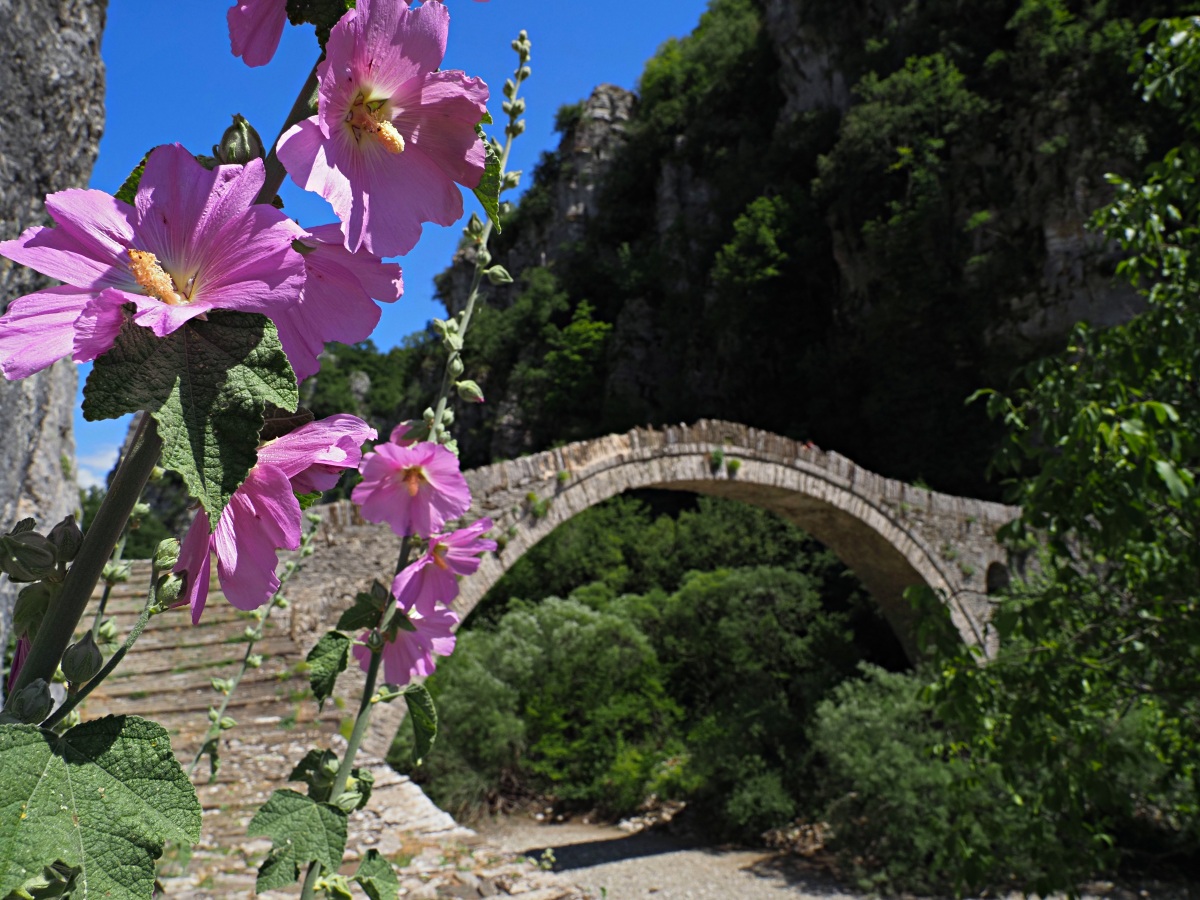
{"type": "Point", "coordinates": [52, 110]}
{"type": "Point", "coordinates": [584, 156]}
{"type": "Point", "coordinates": [811, 77]}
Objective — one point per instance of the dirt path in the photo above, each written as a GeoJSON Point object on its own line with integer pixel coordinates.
{"type": "Point", "coordinates": [619, 866]}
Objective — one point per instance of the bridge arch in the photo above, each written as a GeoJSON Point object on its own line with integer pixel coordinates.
{"type": "Point", "coordinates": [892, 535]}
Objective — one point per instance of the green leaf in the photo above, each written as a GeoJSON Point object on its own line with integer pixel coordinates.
{"type": "Point", "coordinates": [207, 386]}
{"type": "Point", "coordinates": [377, 878]}
{"type": "Point", "coordinates": [301, 831]}
{"type": "Point", "coordinates": [363, 614]}
{"type": "Point", "coordinates": [423, 715]}
{"type": "Point", "coordinates": [129, 186]}
{"type": "Point", "coordinates": [1170, 476]}
{"type": "Point", "coordinates": [104, 797]}
{"type": "Point", "coordinates": [488, 190]}
{"type": "Point", "coordinates": [277, 871]}
{"type": "Point", "coordinates": [325, 662]}
{"type": "Point", "coordinates": [308, 500]}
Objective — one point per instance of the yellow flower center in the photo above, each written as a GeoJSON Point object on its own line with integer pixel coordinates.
{"type": "Point", "coordinates": [412, 478]}
{"type": "Point", "coordinates": [148, 272]}
{"type": "Point", "coordinates": [439, 552]}
{"type": "Point", "coordinates": [369, 117]}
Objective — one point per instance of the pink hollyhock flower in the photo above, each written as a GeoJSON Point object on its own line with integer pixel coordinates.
{"type": "Point", "coordinates": [416, 489]}
{"type": "Point", "coordinates": [409, 655]}
{"type": "Point", "coordinates": [336, 304]}
{"type": "Point", "coordinates": [431, 579]}
{"type": "Point", "coordinates": [255, 27]}
{"type": "Point", "coordinates": [193, 241]}
{"type": "Point", "coordinates": [263, 516]}
{"type": "Point", "coordinates": [393, 134]}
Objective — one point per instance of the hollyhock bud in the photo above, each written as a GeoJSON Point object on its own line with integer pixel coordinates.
{"type": "Point", "coordinates": [27, 556]}
{"type": "Point", "coordinates": [32, 703]}
{"type": "Point", "coordinates": [469, 391]}
{"type": "Point", "coordinates": [82, 660]}
{"type": "Point", "coordinates": [239, 144]}
{"type": "Point", "coordinates": [67, 539]}
{"type": "Point", "coordinates": [166, 554]}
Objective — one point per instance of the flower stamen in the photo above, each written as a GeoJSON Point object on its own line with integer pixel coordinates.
{"type": "Point", "coordinates": [412, 478]}
{"type": "Point", "coordinates": [149, 274]}
{"type": "Point", "coordinates": [438, 556]}
{"type": "Point", "coordinates": [368, 116]}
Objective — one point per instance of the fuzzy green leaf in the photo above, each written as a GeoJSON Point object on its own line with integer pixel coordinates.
{"type": "Point", "coordinates": [207, 386]}
{"type": "Point", "coordinates": [488, 189]}
{"type": "Point", "coordinates": [104, 797]}
{"type": "Point", "coordinates": [423, 715]}
{"type": "Point", "coordinates": [377, 878]}
{"type": "Point", "coordinates": [301, 831]}
{"type": "Point", "coordinates": [325, 662]}
{"type": "Point", "coordinates": [365, 613]}
{"type": "Point", "coordinates": [128, 188]}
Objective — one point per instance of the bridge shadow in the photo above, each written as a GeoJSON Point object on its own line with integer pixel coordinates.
{"type": "Point", "coordinates": [585, 854]}
{"type": "Point", "coordinates": [798, 874]}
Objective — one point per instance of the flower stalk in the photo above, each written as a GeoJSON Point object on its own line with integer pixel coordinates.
{"type": "Point", "coordinates": [68, 607]}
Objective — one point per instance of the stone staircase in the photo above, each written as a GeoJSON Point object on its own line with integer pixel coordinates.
{"type": "Point", "coordinates": [166, 677]}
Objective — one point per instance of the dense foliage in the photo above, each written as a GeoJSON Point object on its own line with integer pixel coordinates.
{"type": "Point", "coordinates": [879, 253]}
{"type": "Point", "coordinates": [653, 679]}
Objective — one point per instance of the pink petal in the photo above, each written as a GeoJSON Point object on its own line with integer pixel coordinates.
{"type": "Point", "coordinates": [173, 196]}
{"type": "Point", "coordinates": [39, 329]}
{"type": "Point", "coordinates": [403, 43]}
{"type": "Point", "coordinates": [383, 497]}
{"type": "Point", "coordinates": [87, 249]}
{"type": "Point", "coordinates": [382, 281]}
{"type": "Point", "coordinates": [196, 563]}
{"type": "Point", "coordinates": [437, 116]}
{"type": "Point", "coordinates": [255, 27]}
{"type": "Point", "coordinates": [262, 517]}
{"type": "Point", "coordinates": [98, 325]}
{"type": "Point", "coordinates": [304, 150]}
{"type": "Point", "coordinates": [422, 584]}
{"type": "Point", "coordinates": [314, 455]}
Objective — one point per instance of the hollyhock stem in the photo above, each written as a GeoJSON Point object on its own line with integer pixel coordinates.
{"type": "Point", "coordinates": [117, 553]}
{"type": "Point", "coordinates": [63, 617]}
{"type": "Point", "coordinates": [138, 627]}
{"type": "Point", "coordinates": [476, 280]}
{"type": "Point", "coordinates": [305, 106]}
{"type": "Point", "coordinates": [343, 773]}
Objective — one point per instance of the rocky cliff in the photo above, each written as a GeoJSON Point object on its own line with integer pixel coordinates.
{"type": "Point", "coordinates": [52, 110]}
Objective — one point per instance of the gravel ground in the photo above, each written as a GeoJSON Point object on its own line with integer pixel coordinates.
{"type": "Point", "coordinates": [619, 866]}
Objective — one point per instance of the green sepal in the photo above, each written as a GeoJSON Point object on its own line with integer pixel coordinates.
{"type": "Point", "coordinates": [377, 878]}
{"type": "Point", "coordinates": [207, 385]}
{"type": "Point", "coordinates": [423, 715]}
{"type": "Point", "coordinates": [326, 661]}
{"type": "Point", "coordinates": [104, 797]}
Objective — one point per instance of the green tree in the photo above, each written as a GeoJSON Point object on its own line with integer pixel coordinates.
{"type": "Point", "coordinates": [1092, 710]}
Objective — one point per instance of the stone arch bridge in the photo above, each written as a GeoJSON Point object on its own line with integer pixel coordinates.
{"type": "Point", "coordinates": [892, 535]}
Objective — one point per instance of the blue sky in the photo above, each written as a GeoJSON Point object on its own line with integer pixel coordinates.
{"type": "Point", "coordinates": [171, 77]}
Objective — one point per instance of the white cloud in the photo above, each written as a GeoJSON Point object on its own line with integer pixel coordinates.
{"type": "Point", "coordinates": [92, 467]}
